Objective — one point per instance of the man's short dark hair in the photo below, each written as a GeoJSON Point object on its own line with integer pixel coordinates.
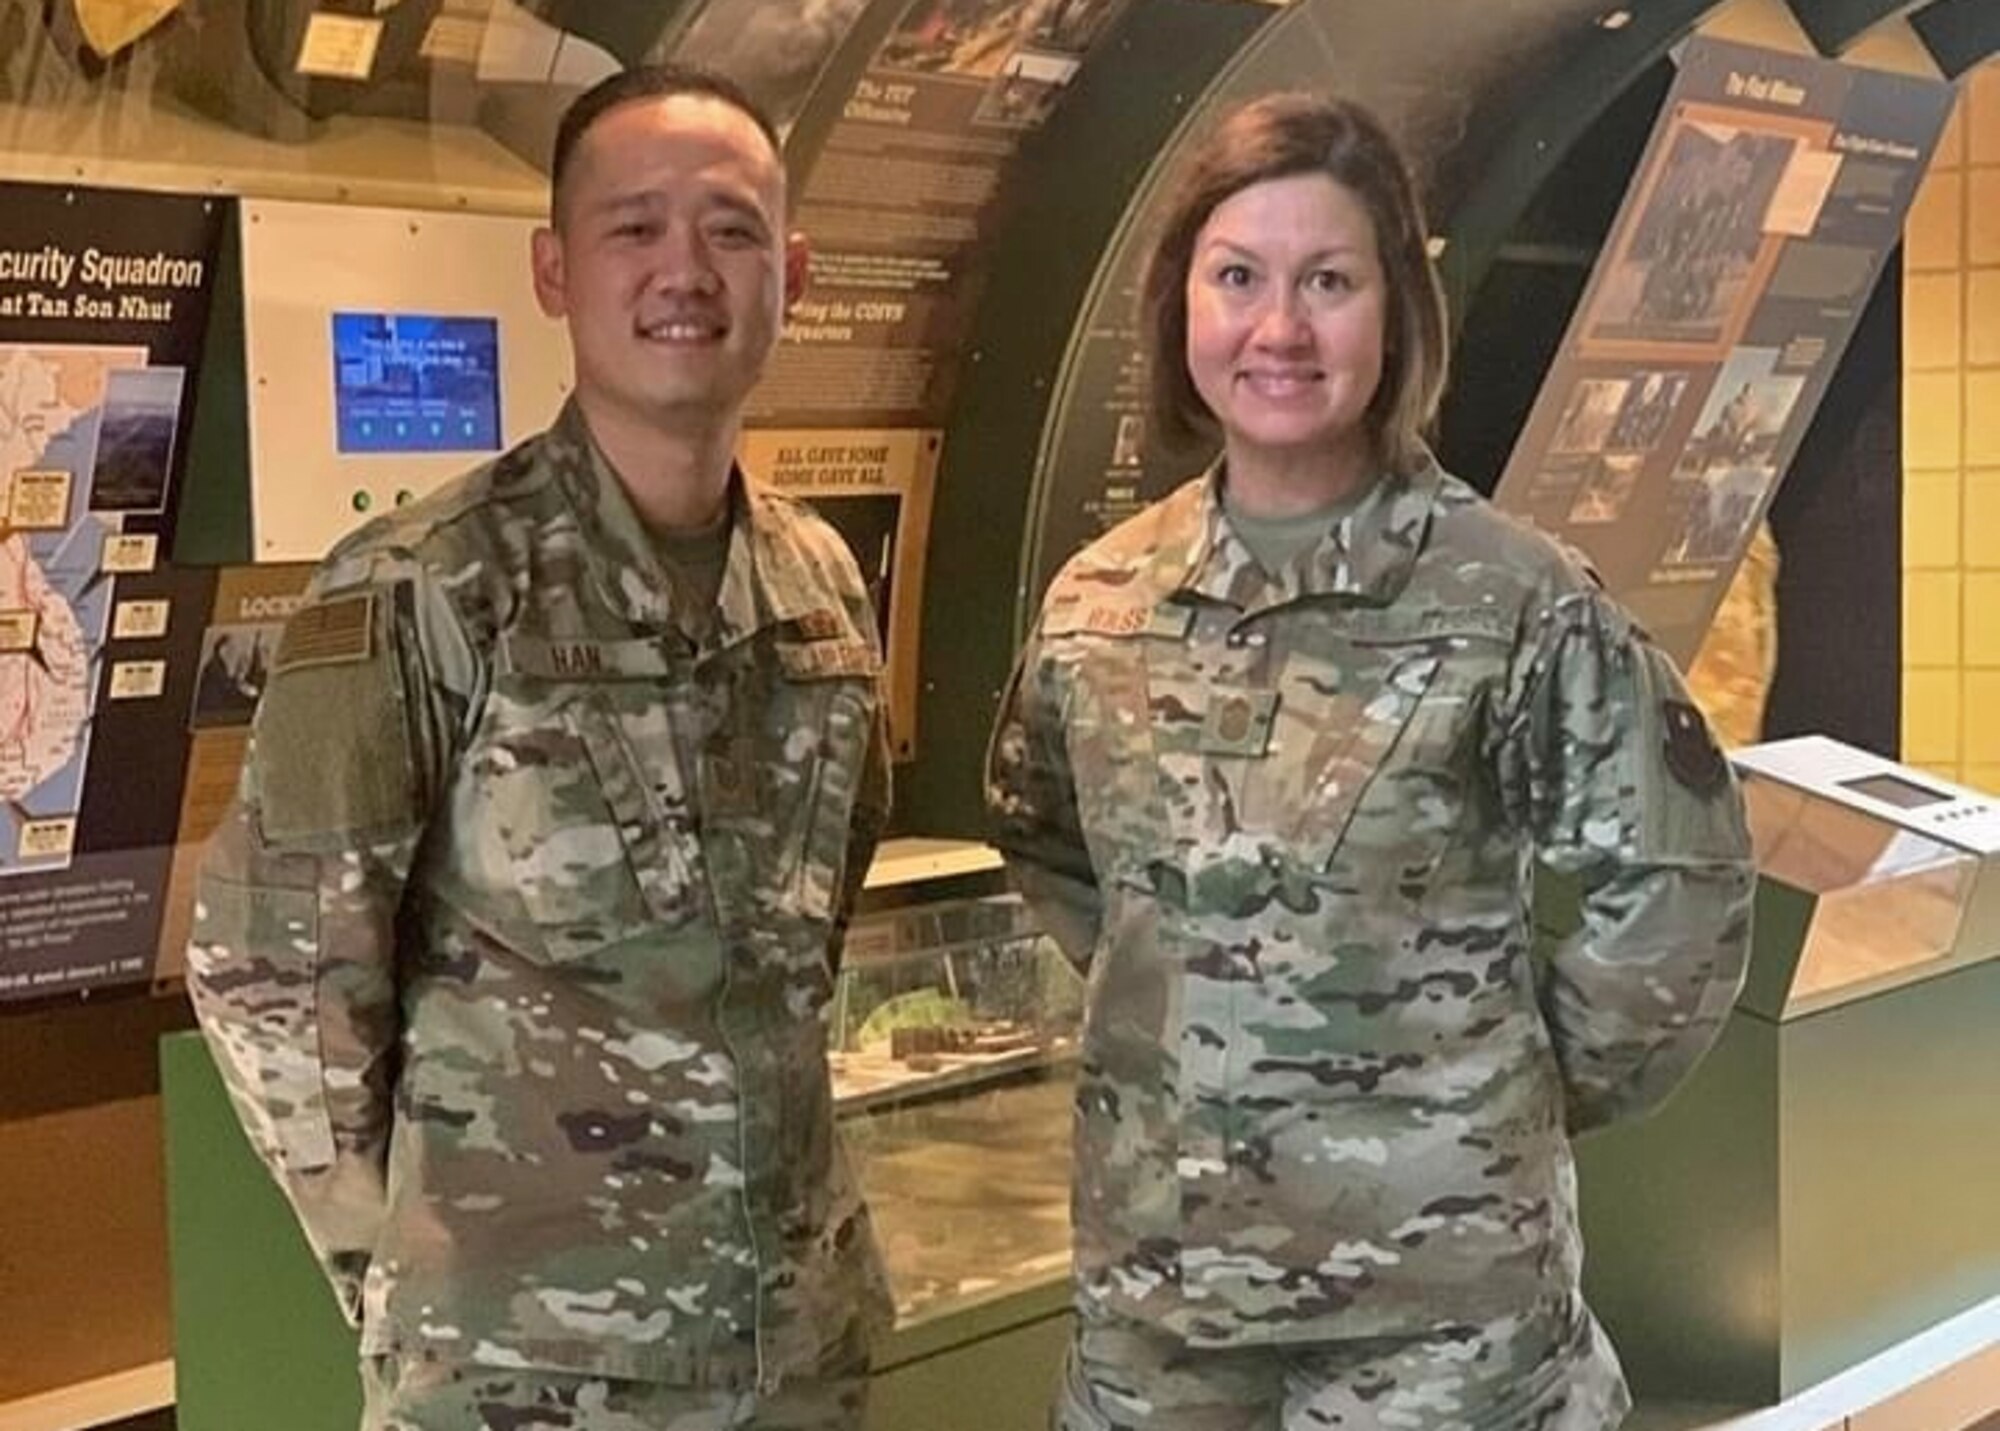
{"type": "Point", "coordinates": [644, 82]}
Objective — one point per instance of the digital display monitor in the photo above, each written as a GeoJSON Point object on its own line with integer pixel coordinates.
{"type": "Point", "coordinates": [1892, 790]}
{"type": "Point", "coordinates": [416, 382]}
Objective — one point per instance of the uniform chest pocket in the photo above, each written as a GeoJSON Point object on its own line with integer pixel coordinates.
{"type": "Point", "coordinates": [1397, 746]}
{"type": "Point", "coordinates": [586, 802]}
{"type": "Point", "coordinates": [786, 781]}
{"type": "Point", "coordinates": [1114, 754]}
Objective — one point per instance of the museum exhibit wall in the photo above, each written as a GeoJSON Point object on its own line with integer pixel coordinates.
{"type": "Point", "coordinates": [959, 399]}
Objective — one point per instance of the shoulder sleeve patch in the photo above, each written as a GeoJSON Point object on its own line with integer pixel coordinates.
{"type": "Point", "coordinates": [333, 747]}
{"type": "Point", "coordinates": [1689, 750]}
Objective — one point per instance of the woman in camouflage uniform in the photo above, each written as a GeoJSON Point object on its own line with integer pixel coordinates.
{"type": "Point", "coordinates": [1277, 765]}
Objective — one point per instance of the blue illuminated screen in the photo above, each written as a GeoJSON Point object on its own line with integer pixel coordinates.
{"type": "Point", "coordinates": [416, 382]}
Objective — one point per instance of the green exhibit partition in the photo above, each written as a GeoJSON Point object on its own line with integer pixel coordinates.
{"type": "Point", "coordinates": [257, 1339]}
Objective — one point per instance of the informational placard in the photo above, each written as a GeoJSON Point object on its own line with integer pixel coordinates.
{"type": "Point", "coordinates": [1772, 192]}
{"type": "Point", "coordinates": [103, 308]}
{"type": "Point", "coordinates": [237, 637]}
{"type": "Point", "coordinates": [900, 202]}
{"type": "Point", "coordinates": [387, 351]}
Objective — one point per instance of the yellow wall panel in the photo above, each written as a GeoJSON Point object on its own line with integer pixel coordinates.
{"type": "Point", "coordinates": [1932, 330]}
{"type": "Point", "coordinates": [1930, 420]}
{"type": "Point", "coordinates": [1982, 216]}
{"type": "Point", "coordinates": [1982, 316]}
{"type": "Point", "coordinates": [1931, 618]}
{"type": "Point", "coordinates": [1930, 717]}
{"type": "Point", "coordinates": [1933, 230]}
{"type": "Point", "coordinates": [1982, 718]}
{"type": "Point", "coordinates": [1982, 418]}
{"type": "Point", "coordinates": [1984, 778]}
{"type": "Point", "coordinates": [1981, 529]}
{"type": "Point", "coordinates": [1982, 618]}
{"type": "Point", "coordinates": [1931, 520]}
{"type": "Point", "coordinates": [1981, 103]}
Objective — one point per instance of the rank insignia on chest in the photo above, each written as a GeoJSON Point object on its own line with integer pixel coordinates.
{"type": "Point", "coordinates": [1238, 722]}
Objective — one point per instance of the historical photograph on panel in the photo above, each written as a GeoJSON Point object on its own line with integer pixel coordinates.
{"type": "Point", "coordinates": [1651, 399]}
{"type": "Point", "coordinates": [235, 659]}
{"type": "Point", "coordinates": [1587, 417]}
{"type": "Point", "coordinates": [135, 439]}
{"type": "Point", "coordinates": [1730, 460]}
{"type": "Point", "coordinates": [1605, 491]}
{"type": "Point", "coordinates": [775, 49]}
{"type": "Point", "coordinates": [980, 37]}
{"type": "Point", "coordinates": [1684, 265]}
{"type": "Point", "coordinates": [1025, 94]}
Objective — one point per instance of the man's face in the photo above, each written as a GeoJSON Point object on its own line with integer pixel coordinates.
{"type": "Point", "coordinates": [669, 261]}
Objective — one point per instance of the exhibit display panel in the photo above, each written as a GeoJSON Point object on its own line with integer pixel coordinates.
{"type": "Point", "coordinates": [1819, 1190]}
{"type": "Point", "coordinates": [952, 1034]}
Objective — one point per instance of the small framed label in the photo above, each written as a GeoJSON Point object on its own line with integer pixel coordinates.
{"type": "Point", "coordinates": [139, 620]}
{"type": "Point", "coordinates": [18, 630]}
{"type": "Point", "coordinates": [137, 680]}
{"type": "Point", "coordinates": [48, 839]}
{"type": "Point", "coordinates": [39, 501]}
{"type": "Point", "coordinates": [339, 46]}
{"type": "Point", "coordinates": [134, 553]}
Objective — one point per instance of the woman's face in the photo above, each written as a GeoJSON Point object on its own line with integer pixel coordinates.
{"type": "Point", "coordinates": [1286, 301]}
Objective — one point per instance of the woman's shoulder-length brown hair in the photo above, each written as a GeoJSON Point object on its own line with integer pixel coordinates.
{"type": "Point", "coordinates": [1277, 137]}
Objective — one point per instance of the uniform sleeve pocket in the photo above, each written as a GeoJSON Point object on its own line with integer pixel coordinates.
{"type": "Point", "coordinates": [263, 1009]}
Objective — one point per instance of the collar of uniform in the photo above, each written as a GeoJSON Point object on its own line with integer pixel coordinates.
{"type": "Point", "coordinates": [1366, 554]}
{"type": "Point", "coordinates": [616, 552]}
{"type": "Point", "coordinates": [1370, 551]}
{"type": "Point", "coordinates": [765, 580]}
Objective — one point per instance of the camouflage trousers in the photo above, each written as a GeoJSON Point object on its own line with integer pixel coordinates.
{"type": "Point", "coordinates": [1551, 1370]}
{"type": "Point", "coordinates": [409, 1394]}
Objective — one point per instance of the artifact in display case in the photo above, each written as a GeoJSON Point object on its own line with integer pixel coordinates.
{"type": "Point", "coordinates": [945, 995]}
{"type": "Point", "coordinates": [953, 1036]}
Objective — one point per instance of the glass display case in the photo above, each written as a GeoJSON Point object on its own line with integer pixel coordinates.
{"type": "Point", "coordinates": [1872, 875]}
{"type": "Point", "coordinates": [1810, 1196]}
{"type": "Point", "coordinates": [953, 1040]}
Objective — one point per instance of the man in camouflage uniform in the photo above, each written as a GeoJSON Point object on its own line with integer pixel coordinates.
{"type": "Point", "coordinates": [515, 948]}
{"type": "Point", "coordinates": [1285, 823]}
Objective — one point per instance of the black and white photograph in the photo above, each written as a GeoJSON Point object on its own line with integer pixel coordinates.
{"type": "Point", "coordinates": [981, 37]}
{"type": "Point", "coordinates": [1650, 402]}
{"type": "Point", "coordinates": [1587, 417]}
{"type": "Point", "coordinates": [1605, 492]}
{"type": "Point", "coordinates": [1686, 263]}
{"type": "Point", "coordinates": [235, 662]}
